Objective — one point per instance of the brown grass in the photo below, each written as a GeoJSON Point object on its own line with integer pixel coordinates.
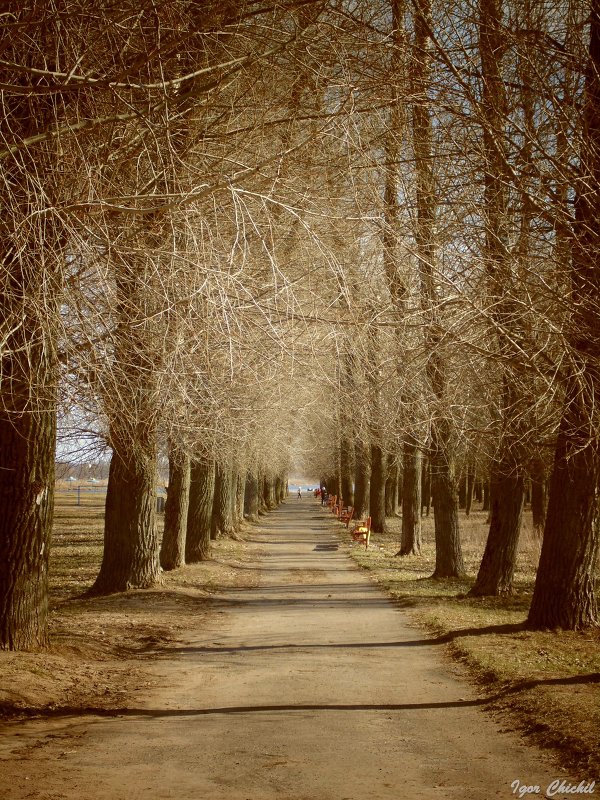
{"type": "Point", "coordinates": [546, 682]}
{"type": "Point", "coordinates": [99, 645]}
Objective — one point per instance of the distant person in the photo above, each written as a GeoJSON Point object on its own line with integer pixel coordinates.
{"type": "Point", "coordinates": [324, 496]}
{"type": "Point", "coordinates": [299, 493]}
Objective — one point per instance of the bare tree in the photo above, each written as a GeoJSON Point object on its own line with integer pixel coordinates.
{"type": "Point", "coordinates": [564, 595]}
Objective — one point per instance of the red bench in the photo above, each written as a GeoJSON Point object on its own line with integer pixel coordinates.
{"type": "Point", "coordinates": [362, 532]}
{"type": "Point", "coordinates": [346, 515]}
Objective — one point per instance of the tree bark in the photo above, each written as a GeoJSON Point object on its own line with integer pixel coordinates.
{"type": "Point", "coordinates": [172, 551]}
{"type": "Point", "coordinates": [269, 493]}
{"type": "Point", "coordinates": [377, 488]}
{"type": "Point", "coordinates": [27, 435]}
{"type": "Point", "coordinates": [462, 490]}
{"type": "Point", "coordinates": [496, 571]}
{"type": "Point", "coordinates": [240, 494]}
{"type": "Point", "coordinates": [262, 502]}
{"type": "Point", "coordinates": [411, 541]}
{"type": "Point", "coordinates": [233, 499]}
{"type": "Point", "coordinates": [538, 495]}
{"type": "Point", "coordinates": [131, 547]}
{"type": "Point", "coordinates": [391, 488]}
{"type": "Point", "coordinates": [425, 485]}
{"type": "Point", "coordinates": [199, 520]}
{"type": "Point", "coordinates": [27, 447]}
{"type": "Point", "coordinates": [31, 263]}
{"type": "Point", "coordinates": [346, 471]}
{"type": "Point", "coordinates": [564, 594]}
{"type": "Point", "coordinates": [470, 488]}
{"type": "Point", "coordinates": [362, 473]}
{"type": "Point", "coordinates": [131, 557]}
{"type": "Point", "coordinates": [448, 552]}
{"type": "Point", "coordinates": [251, 497]}
{"type": "Point", "coordinates": [486, 491]}
{"type": "Point", "coordinates": [222, 521]}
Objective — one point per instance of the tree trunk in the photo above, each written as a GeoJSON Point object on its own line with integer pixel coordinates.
{"type": "Point", "coordinates": [448, 552]}
{"type": "Point", "coordinates": [131, 547]}
{"type": "Point", "coordinates": [486, 491]}
{"type": "Point", "coordinates": [337, 484]}
{"type": "Point", "coordinates": [497, 567]}
{"type": "Point", "coordinates": [131, 557]}
{"type": "Point", "coordinates": [222, 521]}
{"type": "Point", "coordinates": [172, 551]}
{"type": "Point", "coordinates": [233, 499]}
{"type": "Point", "coordinates": [507, 484]}
{"type": "Point", "coordinates": [470, 488]}
{"type": "Point", "coordinates": [346, 471]}
{"type": "Point", "coordinates": [449, 562]}
{"type": "Point", "coordinates": [251, 497]}
{"type": "Point", "coordinates": [377, 489]}
{"type": "Point", "coordinates": [199, 520]}
{"type": "Point", "coordinates": [283, 488]}
{"type": "Point", "coordinates": [496, 571]}
{"type": "Point", "coordinates": [28, 376]}
{"type": "Point", "coordinates": [240, 494]}
{"type": "Point", "coordinates": [362, 472]}
{"type": "Point", "coordinates": [411, 540]}
{"type": "Point", "coordinates": [564, 593]}
{"type": "Point", "coordinates": [262, 501]}
{"type": "Point", "coordinates": [425, 485]}
{"type": "Point", "coordinates": [31, 263]}
{"type": "Point", "coordinates": [538, 495]}
{"type": "Point", "coordinates": [277, 489]}
{"type": "Point", "coordinates": [269, 493]}
{"type": "Point", "coordinates": [391, 488]}
{"type": "Point", "coordinates": [27, 447]}
{"type": "Point", "coordinates": [462, 490]}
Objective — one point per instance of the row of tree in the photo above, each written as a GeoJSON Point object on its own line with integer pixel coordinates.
{"type": "Point", "coordinates": [143, 147]}
{"type": "Point", "coordinates": [363, 230]}
{"type": "Point", "coordinates": [483, 353]}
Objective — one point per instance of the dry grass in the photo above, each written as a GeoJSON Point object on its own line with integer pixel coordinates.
{"type": "Point", "coordinates": [99, 645]}
{"type": "Point", "coordinates": [548, 682]}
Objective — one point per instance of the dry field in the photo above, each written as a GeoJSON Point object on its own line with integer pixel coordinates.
{"type": "Point", "coordinates": [546, 683]}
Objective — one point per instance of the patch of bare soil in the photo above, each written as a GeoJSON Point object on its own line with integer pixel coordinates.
{"type": "Point", "coordinates": [100, 646]}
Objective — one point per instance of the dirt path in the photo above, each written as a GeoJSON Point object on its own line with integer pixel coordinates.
{"type": "Point", "coordinates": [310, 687]}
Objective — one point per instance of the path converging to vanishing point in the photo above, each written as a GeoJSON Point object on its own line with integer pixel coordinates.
{"type": "Point", "coordinates": [311, 686]}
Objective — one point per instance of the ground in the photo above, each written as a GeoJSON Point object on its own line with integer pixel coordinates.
{"type": "Point", "coordinates": [280, 633]}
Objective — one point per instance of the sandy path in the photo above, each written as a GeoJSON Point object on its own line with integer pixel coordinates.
{"type": "Point", "coordinates": [309, 687]}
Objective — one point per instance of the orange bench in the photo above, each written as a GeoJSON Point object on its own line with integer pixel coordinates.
{"type": "Point", "coordinates": [362, 532]}
{"type": "Point", "coordinates": [346, 515]}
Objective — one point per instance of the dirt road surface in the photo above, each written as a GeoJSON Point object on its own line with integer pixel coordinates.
{"type": "Point", "coordinates": [312, 686]}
